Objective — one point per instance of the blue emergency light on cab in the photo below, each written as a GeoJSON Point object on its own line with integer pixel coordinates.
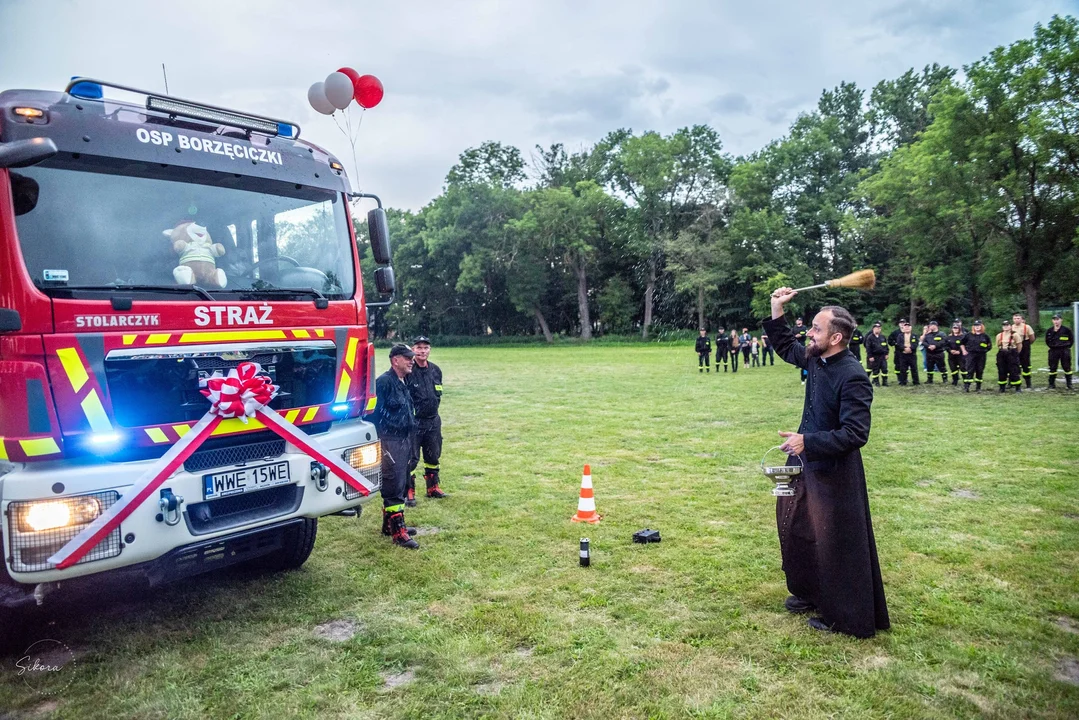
{"type": "Point", "coordinates": [86, 90]}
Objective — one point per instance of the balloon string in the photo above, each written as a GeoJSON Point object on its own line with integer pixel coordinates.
{"type": "Point", "coordinates": [355, 163]}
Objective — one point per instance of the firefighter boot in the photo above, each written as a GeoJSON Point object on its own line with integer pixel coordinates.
{"type": "Point", "coordinates": [400, 532]}
{"type": "Point", "coordinates": [978, 386]}
{"type": "Point", "coordinates": [1052, 381]}
{"type": "Point", "coordinates": [966, 387]}
{"type": "Point", "coordinates": [1068, 380]}
{"type": "Point", "coordinates": [955, 380]}
{"type": "Point", "coordinates": [386, 525]}
{"type": "Point", "coordinates": [410, 491]}
{"type": "Point", "coordinates": [1003, 388]}
{"type": "Point", "coordinates": [1027, 379]}
{"type": "Point", "coordinates": [433, 490]}
{"type": "Point", "coordinates": [930, 380]}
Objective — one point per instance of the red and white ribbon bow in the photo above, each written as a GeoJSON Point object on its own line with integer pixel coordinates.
{"type": "Point", "coordinates": [241, 394]}
{"type": "Point", "coordinates": [245, 392]}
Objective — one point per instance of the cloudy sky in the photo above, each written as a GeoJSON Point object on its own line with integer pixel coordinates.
{"type": "Point", "coordinates": [522, 72]}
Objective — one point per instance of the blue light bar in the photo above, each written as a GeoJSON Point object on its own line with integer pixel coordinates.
{"type": "Point", "coordinates": [340, 408]}
{"type": "Point", "coordinates": [284, 130]}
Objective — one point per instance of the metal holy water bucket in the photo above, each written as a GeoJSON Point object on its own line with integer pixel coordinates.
{"type": "Point", "coordinates": [781, 475]}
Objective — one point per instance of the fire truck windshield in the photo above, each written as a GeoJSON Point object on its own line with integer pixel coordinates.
{"type": "Point", "coordinates": [98, 224]}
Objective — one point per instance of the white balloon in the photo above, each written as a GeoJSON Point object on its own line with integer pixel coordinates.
{"type": "Point", "coordinates": [339, 89]}
{"type": "Point", "coordinates": [316, 95]}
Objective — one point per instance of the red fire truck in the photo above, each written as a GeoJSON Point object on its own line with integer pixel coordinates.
{"type": "Point", "coordinates": [147, 242]}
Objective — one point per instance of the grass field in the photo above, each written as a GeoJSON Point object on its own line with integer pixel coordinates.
{"type": "Point", "coordinates": [975, 503]}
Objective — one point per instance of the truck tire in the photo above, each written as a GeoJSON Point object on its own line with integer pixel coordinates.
{"type": "Point", "coordinates": [298, 544]}
{"type": "Point", "coordinates": [12, 625]}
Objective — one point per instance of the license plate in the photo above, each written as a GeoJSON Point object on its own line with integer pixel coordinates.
{"type": "Point", "coordinates": [248, 479]}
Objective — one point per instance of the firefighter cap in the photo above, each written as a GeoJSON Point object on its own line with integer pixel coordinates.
{"type": "Point", "coordinates": [903, 321]}
{"type": "Point", "coordinates": [1056, 316]}
{"type": "Point", "coordinates": [401, 349]}
{"type": "Point", "coordinates": [1006, 322]}
{"type": "Point", "coordinates": [977, 323]}
{"type": "Point", "coordinates": [421, 340]}
{"type": "Point", "coordinates": [877, 324]}
{"type": "Point", "coordinates": [933, 322]}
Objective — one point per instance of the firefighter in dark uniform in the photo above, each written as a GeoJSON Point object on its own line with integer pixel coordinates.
{"type": "Point", "coordinates": [976, 345]}
{"type": "Point", "coordinates": [876, 353]}
{"type": "Point", "coordinates": [395, 419]}
{"type": "Point", "coordinates": [906, 352]}
{"type": "Point", "coordinates": [704, 349]}
{"type": "Point", "coordinates": [1008, 343]}
{"type": "Point", "coordinates": [856, 342]}
{"type": "Point", "coordinates": [1059, 340]}
{"type": "Point", "coordinates": [800, 333]}
{"type": "Point", "coordinates": [723, 348]}
{"type": "Point", "coordinates": [934, 352]}
{"type": "Point", "coordinates": [425, 386]}
{"type": "Point", "coordinates": [1027, 335]}
{"type": "Point", "coordinates": [767, 352]}
{"type": "Point", "coordinates": [953, 348]}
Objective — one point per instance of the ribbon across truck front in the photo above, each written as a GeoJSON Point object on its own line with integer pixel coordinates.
{"type": "Point", "coordinates": [245, 392]}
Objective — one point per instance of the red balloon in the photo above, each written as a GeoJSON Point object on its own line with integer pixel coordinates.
{"type": "Point", "coordinates": [352, 74]}
{"type": "Point", "coordinates": [368, 91]}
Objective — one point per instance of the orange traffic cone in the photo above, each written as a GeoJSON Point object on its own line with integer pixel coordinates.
{"type": "Point", "coordinates": [586, 506]}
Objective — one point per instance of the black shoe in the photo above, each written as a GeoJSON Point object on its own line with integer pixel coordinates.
{"type": "Point", "coordinates": [819, 624]}
{"type": "Point", "coordinates": [966, 388]}
{"type": "Point", "coordinates": [797, 605]}
{"type": "Point", "coordinates": [1003, 389]}
{"type": "Point", "coordinates": [400, 533]}
{"type": "Point", "coordinates": [386, 525]}
{"type": "Point", "coordinates": [1018, 389]}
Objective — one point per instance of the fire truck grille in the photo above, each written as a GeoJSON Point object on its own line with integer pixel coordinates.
{"type": "Point", "coordinates": [158, 386]}
{"type": "Point", "coordinates": [230, 512]}
{"type": "Point", "coordinates": [30, 551]}
{"type": "Point", "coordinates": [234, 455]}
{"type": "Point", "coordinates": [212, 363]}
{"type": "Point", "coordinates": [373, 475]}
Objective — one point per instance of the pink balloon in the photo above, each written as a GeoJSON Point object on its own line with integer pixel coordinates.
{"type": "Point", "coordinates": [369, 91]}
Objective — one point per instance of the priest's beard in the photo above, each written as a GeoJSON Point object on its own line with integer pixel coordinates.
{"type": "Point", "coordinates": [815, 350]}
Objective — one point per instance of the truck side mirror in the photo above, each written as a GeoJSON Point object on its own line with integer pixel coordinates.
{"type": "Point", "coordinates": [379, 231]}
{"type": "Point", "coordinates": [24, 153]}
{"type": "Point", "coordinates": [384, 281]}
{"type": "Point", "coordinates": [10, 321]}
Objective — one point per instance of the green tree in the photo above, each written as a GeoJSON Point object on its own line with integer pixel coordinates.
{"type": "Point", "coordinates": [666, 179]}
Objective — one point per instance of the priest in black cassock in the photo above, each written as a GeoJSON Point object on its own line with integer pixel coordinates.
{"type": "Point", "coordinates": [825, 533]}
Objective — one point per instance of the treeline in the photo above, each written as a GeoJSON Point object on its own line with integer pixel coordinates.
{"type": "Point", "coordinates": [959, 189]}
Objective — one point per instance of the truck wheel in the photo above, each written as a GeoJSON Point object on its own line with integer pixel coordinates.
{"type": "Point", "coordinates": [298, 544]}
{"type": "Point", "coordinates": [12, 620]}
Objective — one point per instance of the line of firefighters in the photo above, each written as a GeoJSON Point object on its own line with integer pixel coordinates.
{"type": "Point", "coordinates": [960, 354]}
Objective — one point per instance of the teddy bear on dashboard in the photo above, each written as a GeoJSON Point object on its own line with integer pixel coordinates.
{"type": "Point", "coordinates": [198, 256]}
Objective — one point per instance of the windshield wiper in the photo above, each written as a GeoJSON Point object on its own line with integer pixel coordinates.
{"type": "Point", "coordinates": [321, 301]}
{"type": "Point", "coordinates": [185, 289]}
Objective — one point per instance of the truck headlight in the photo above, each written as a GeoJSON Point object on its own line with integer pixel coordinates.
{"type": "Point", "coordinates": [52, 514]}
{"type": "Point", "coordinates": [364, 456]}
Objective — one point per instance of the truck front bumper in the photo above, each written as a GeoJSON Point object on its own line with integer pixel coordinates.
{"type": "Point", "coordinates": [149, 534]}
